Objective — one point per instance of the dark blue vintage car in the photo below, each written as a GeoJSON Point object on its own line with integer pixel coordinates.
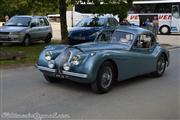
{"type": "Point", "coordinates": [87, 29]}
{"type": "Point", "coordinates": [115, 55]}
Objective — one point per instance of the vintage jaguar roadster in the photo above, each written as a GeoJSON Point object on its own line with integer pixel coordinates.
{"type": "Point", "coordinates": [115, 55]}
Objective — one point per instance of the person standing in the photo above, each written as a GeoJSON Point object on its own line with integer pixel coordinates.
{"type": "Point", "coordinates": [6, 18]}
{"type": "Point", "coordinates": [148, 24]}
{"type": "Point", "coordinates": [155, 25]}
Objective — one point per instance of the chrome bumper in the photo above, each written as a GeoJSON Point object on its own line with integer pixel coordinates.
{"type": "Point", "coordinates": [46, 69]}
{"type": "Point", "coordinates": [17, 41]}
{"type": "Point", "coordinates": [75, 74]}
{"type": "Point", "coordinates": [63, 72]}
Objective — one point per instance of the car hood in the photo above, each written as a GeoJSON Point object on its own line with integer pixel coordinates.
{"type": "Point", "coordinates": [62, 53]}
{"type": "Point", "coordinates": [96, 46]}
{"type": "Point", "coordinates": [85, 48]}
{"type": "Point", "coordinates": [12, 29]}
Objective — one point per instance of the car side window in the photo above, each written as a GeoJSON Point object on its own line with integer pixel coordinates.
{"type": "Point", "coordinates": [42, 22]}
{"type": "Point", "coordinates": [36, 22]}
{"type": "Point", "coordinates": [46, 21]}
{"type": "Point", "coordinates": [105, 36]}
{"type": "Point", "coordinates": [112, 22]}
{"type": "Point", "coordinates": [144, 41]}
{"type": "Point", "coordinates": [115, 21]}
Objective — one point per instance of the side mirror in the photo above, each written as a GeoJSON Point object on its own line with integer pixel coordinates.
{"type": "Point", "coordinates": [33, 25]}
{"type": "Point", "coordinates": [3, 24]}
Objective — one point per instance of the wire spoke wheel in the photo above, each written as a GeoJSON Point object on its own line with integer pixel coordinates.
{"type": "Point", "coordinates": [161, 64]}
{"type": "Point", "coordinates": [106, 77]}
{"type": "Point", "coordinates": [26, 41]}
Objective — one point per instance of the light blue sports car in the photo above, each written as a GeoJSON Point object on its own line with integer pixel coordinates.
{"type": "Point", "coordinates": [116, 55]}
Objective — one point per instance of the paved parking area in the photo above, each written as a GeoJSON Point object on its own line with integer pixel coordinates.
{"type": "Point", "coordinates": [173, 39]}
{"type": "Point", "coordinates": [24, 90]}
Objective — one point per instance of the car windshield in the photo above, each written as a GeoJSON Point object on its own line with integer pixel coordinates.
{"type": "Point", "coordinates": [19, 21]}
{"type": "Point", "coordinates": [92, 22]}
{"type": "Point", "coordinates": [122, 37]}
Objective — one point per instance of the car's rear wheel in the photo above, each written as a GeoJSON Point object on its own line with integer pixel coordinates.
{"type": "Point", "coordinates": [51, 79]}
{"type": "Point", "coordinates": [164, 30]}
{"type": "Point", "coordinates": [27, 41]}
{"type": "Point", "coordinates": [48, 38]}
{"type": "Point", "coordinates": [160, 66]}
{"type": "Point", "coordinates": [105, 78]}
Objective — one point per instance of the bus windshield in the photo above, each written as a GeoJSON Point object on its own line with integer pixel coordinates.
{"type": "Point", "coordinates": [175, 11]}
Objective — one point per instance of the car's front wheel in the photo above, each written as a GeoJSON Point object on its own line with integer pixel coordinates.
{"type": "Point", "coordinates": [105, 78]}
{"type": "Point", "coordinates": [160, 66]}
{"type": "Point", "coordinates": [48, 38]}
{"type": "Point", "coordinates": [27, 41]}
{"type": "Point", "coordinates": [50, 79]}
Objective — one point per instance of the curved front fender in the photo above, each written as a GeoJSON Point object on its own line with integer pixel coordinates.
{"type": "Point", "coordinates": [93, 63]}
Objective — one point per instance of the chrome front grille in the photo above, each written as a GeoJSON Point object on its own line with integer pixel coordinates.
{"type": "Point", "coordinates": [64, 57]}
{"type": "Point", "coordinates": [4, 33]}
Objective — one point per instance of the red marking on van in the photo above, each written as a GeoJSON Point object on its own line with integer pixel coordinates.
{"type": "Point", "coordinates": [134, 17]}
{"type": "Point", "coordinates": [164, 17]}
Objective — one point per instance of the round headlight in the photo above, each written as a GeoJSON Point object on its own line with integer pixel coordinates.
{"type": "Point", "coordinates": [76, 60]}
{"type": "Point", "coordinates": [66, 66]}
{"type": "Point", "coordinates": [51, 64]}
{"type": "Point", "coordinates": [48, 55]}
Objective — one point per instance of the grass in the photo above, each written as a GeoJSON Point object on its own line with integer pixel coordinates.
{"type": "Point", "coordinates": [31, 52]}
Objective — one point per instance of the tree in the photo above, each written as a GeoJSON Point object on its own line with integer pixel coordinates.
{"type": "Point", "coordinates": [115, 7]}
{"type": "Point", "coordinates": [63, 21]}
{"type": "Point", "coordinates": [63, 4]}
{"type": "Point", "coordinates": [28, 7]}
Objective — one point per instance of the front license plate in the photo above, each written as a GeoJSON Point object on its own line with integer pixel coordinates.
{"type": "Point", "coordinates": [60, 76]}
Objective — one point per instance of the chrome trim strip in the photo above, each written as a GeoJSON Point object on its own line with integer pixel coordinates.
{"type": "Point", "coordinates": [10, 41]}
{"type": "Point", "coordinates": [46, 69]}
{"type": "Point", "coordinates": [75, 74]}
{"type": "Point", "coordinates": [64, 72]}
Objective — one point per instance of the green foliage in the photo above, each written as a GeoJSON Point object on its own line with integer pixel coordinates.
{"type": "Point", "coordinates": [31, 52]}
{"type": "Point", "coordinates": [28, 7]}
{"type": "Point", "coordinates": [44, 7]}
